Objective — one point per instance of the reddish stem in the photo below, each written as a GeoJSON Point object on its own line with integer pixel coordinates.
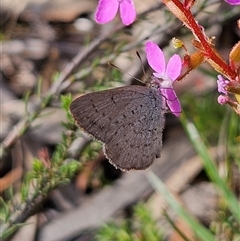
{"type": "Point", "coordinates": [192, 24]}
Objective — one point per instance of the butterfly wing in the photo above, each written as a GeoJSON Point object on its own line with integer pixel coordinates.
{"type": "Point", "coordinates": [128, 120]}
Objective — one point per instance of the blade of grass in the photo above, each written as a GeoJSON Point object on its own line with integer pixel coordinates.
{"type": "Point", "coordinates": [211, 168]}
{"type": "Point", "coordinates": [201, 232]}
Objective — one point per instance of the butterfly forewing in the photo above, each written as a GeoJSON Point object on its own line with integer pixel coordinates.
{"type": "Point", "coordinates": [128, 120]}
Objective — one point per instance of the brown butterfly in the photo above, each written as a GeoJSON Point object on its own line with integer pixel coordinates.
{"type": "Point", "coordinates": [128, 120]}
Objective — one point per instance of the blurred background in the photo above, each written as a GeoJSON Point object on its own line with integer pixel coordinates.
{"type": "Point", "coordinates": [55, 182]}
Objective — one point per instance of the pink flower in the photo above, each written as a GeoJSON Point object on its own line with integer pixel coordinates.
{"type": "Point", "coordinates": [233, 2]}
{"type": "Point", "coordinates": [222, 84]}
{"type": "Point", "coordinates": [222, 99]}
{"type": "Point", "coordinates": [107, 10]}
{"type": "Point", "coordinates": [167, 74]}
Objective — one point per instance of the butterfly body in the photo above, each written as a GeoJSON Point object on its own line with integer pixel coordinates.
{"type": "Point", "coordinates": [128, 120]}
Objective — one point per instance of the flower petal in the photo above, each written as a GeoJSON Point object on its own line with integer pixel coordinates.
{"type": "Point", "coordinates": [172, 101]}
{"type": "Point", "coordinates": [222, 99]}
{"type": "Point", "coordinates": [233, 2]}
{"type": "Point", "coordinates": [155, 57]}
{"type": "Point", "coordinates": [174, 67]}
{"type": "Point", "coordinates": [127, 12]}
{"type": "Point", "coordinates": [222, 84]}
{"type": "Point", "coordinates": [106, 11]}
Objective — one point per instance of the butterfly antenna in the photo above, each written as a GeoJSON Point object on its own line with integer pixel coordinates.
{"type": "Point", "coordinates": [113, 65]}
{"type": "Point", "coordinates": [139, 56]}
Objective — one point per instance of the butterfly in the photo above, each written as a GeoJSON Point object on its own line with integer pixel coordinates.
{"type": "Point", "coordinates": [128, 120]}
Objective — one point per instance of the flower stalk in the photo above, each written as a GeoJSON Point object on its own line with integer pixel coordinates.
{"type": "Point", "coordinates": [184, 14]}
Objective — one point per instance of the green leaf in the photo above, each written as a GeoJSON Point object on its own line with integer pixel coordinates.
{"type": "Point", "coordinates": [66, 101]}
{"type": "Point", "coordinates": [38, 166]}
{"type": "Point", "coordinates": [210, 167]}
